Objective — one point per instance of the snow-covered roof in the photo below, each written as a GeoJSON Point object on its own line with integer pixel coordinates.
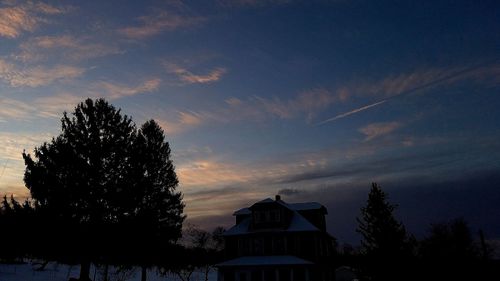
{"type": "Point", "coordinates": [242, 211]}
{"type": "Point", "coordinates": [267, 200]}
{"type": "Point", "coordinates": [292, 206]}
{"type": "Point", "coordinates": [239, 229]}
{"type": "Point", "coordinates": [297, 224]}
{"type": "Point", "coordinates": [264, 260]}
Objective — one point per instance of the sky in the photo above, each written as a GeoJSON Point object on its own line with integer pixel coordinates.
{"type": "Point", "coordinates": [310, 99]}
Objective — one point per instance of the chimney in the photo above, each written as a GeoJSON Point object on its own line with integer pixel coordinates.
{"type": "Point", "coordinates": [278, 197]}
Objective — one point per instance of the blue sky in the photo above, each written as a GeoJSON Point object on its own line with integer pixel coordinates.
{"type": "Point", "coordinates": [312, 99]}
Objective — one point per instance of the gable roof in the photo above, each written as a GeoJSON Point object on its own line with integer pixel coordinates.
{"type": "Point", "coordinates": [292, 206]}
{"type": "Point", "coordinates": [297, 224]}
{"type": "Point", "coordinates": [242, 211]}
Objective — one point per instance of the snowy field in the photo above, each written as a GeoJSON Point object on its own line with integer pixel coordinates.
{"type": "Point", "coordinates": [60, 272]}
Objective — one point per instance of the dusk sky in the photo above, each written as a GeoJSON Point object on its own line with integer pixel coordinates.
{"type": "Point", "coordinates": [310, 99]}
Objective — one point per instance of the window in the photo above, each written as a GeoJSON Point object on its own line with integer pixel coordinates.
{"type": "Point", "coordinates": [258, 246]}
{"type": "Point", "coordinates": [275, 215]}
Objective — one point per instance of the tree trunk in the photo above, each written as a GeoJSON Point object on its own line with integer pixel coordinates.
{"type": "Point", "coordinates": [144, 273]}
{"type": "Point", "coordinates": [207, 271]}
{"type": "Point", "coordinates": [85, 271]}
{"type": "Point", "coordinates": [106, 270]}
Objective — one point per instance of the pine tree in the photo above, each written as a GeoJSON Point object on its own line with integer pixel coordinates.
{"type": "Point", "coordinates": [159, 209]}
{"type": "Point", "coordinates": [99, 177]}
{"type": "Point", "coordinates": [383, 235]}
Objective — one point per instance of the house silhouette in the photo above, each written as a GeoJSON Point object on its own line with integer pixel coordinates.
{"type": "Point", "coordinates": [277, 241]}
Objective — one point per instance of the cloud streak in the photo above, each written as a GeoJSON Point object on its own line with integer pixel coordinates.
{"type": "Point", "coordinates": [115, 90]}
{"type": "Point", "coordinates": [67, 47]}
{"type": "Point", "coordinates": [306, 104]}
{"type": "Point", "coordinates": [408, 83]}
{"type": "Point", "coordinates": [162, 21]}
{"type": "Point", "coordinates": [11, 109]}
{"type": "Point", "coordinates": [376, 130]}
{"type": "Point", "coordinates": [16, 19]}
{"type": "Point", "coordinates": [38, 75]}
{"type": "Point", "coordinates": [188, 77]}
{"type": "Point", "coordinates": [309, 172]}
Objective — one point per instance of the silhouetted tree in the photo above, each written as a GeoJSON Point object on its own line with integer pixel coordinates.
{"type": "Point", "coordinates": [385, 240]}
{"type": "Point", "coordinates": [158, 214]}
{"type": "Point", "coordinates": [105, 182]}
{"type": "Point", "coordinates": [209, 244]}
{"type": "Point", "coordinates": [449, 241]}
{"type": "Point", "coordinates": [201, 251]}
{"type": "Point", "coordinates": [450, 252]}
{"type": "Point", "coordinates": [15, 221]}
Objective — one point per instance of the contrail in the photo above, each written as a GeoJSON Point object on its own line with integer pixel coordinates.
{"type": "Point", "coordinates": [351, 112]}
{"type": "Point", "coordinates": [410, 91]}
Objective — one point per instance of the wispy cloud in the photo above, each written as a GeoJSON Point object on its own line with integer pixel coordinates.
{"type": "Point", "coordinates": [26, 17]}
{"type": "Point", "coordinates": [38, 75]}
{"type": "Point", "coordinates": [162, 21]}
{"type": "Point", "coordinates": [182, 121]}
{"type": "Point", "coordinates": [375, 130]}
{"type": "Point", "coordinates": [66, 47]}
{"type": "Point", "coordinates": [308, 102]}
{"type": "Point", "coordinates": [409, 83]}
{"type": "Point", "coordinates": [41, 107]}
{"type": "Point", "coordinates": [187, 76]}
{"type": "Point", "coordinates": [11, 109]}
{"type": "Point", "coordinates": [210, 173]}
{"type": "Point", "coordinates": [221, 177]}
{"type": "Point", "coordinates": [354, 111]}
{"type": "Point", "coordinates": [113, 90]}
{"type": "Point", "coordinates": [54, 105]}
{"type": "Point", "coordinates": [421, 79]}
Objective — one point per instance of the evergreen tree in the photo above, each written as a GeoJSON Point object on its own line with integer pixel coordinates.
{"type": "Point", "coordinates": [385, 243]}
{"type": "Point", "coordinates": [158, 214]}
{"type": "Point", "coordinates": [99, 177]}
{"type": "Point", "coordinates": [383, 235]}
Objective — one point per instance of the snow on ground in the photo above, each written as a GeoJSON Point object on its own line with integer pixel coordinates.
{"type": "Point", "coordinates": [61, 272]}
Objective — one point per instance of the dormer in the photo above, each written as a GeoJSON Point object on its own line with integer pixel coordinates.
{"type": "Point", "coordinates": [270, 214]}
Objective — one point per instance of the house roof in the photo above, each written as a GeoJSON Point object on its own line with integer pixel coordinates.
{"type": "Point", "coordinates": [292, 206]}
{"type": "Point", "coordinates": [264, 260]}
{"type": "Point", "coordinates": [267, 200]}
{"type": "Point", "coordinates": [242, 211]}
{"type": "Point", "coordinates": [297, 224]}
{"type": "Point", "coordinates": [239, 229]}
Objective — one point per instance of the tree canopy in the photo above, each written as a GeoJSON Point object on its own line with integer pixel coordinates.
{"type": "Point", "coordinates": [106, 181]}
{"type": "Point", "coordinates": [383, 235]}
